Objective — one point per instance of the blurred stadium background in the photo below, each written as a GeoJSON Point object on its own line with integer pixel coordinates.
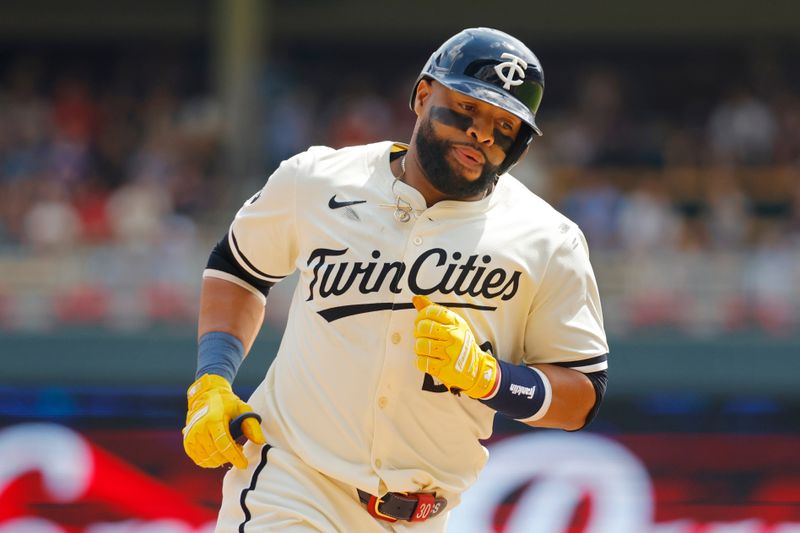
{"type": "Point", "coordinates": [130, 132]}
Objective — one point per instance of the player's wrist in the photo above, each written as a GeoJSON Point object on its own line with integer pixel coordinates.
{"type": "Point", "coordinates": [523, 393]}
{"type": "Point", "coordinates": [220, 354]}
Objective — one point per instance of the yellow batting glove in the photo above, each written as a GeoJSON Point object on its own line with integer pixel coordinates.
{"type": "Point", "coordinates": [207, 438]}
{"type": "Point", "coordinates": [446, 349]}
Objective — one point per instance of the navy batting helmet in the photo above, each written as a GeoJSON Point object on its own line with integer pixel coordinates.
{"type": "Point", "coordinates": [496, 68]}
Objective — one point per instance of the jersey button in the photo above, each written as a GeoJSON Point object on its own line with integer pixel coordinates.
{"type": "Point", "coordinates": [378, 463]}
{"type": "Point", "coordinates": [417, 240]}
{"type": "Point", "coordinates": [383, 401]}
{"type": "Point", "coordinates": [396, 338]}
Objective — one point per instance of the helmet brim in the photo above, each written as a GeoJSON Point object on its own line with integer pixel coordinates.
{"type": "Point", "coordinates": [492, 95]}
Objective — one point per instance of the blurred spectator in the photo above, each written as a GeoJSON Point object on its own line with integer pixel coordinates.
{"type": "Point", "coordinates": [647, 222]}
{"type": "Point", "coordinates": [742, 130]}
{"type": "Point", "coordinates": [15, 201]}
{"type": "Point", "coordinates": [582, 135]}
{"type": "Point", "coordinates": [569, 141]}
{"type": "Point", "coordinates": [74, 112]}
{"type": "Point", "coordinates": [157, 157]}
{"type": "Point", "coordinates": [728, 211]}
{"type": "Point", "coordinates": [682, 147]}
{"type": "Point", "coordinates": [290, 125]}
{"type": "Point", "coordinates": [91, 205]}
{"type": "Point", "coordinates": [137, 212]}
{"type": "Point", "coordinates": [51, 224]}
{"type": "Point", "coordinates": [787, 140]}
{"type": "Point", "coordinates": [66, 160]}
{"type": "Point", "coordinates": [74, 118]}
{"type": "Point", "coordinates": [26, 121]}
{"type": "Point", "coordinates": [595, 207]}
{"type": "Point", "coordinates": [769, 279]}
{"type": "Point", "coordinates": [359, 119]}
{"type": "Point", "coordinates": [117, 138]}
{"type": "Point", "coordinates": [535, 175]}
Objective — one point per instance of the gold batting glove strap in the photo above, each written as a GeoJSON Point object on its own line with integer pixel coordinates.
{"type": "Point", "coordinates": [446, 349]}
{"type": "Point", "coordinates": [207, 439]}
{"type": "Point", "coordinates": [488, 377]}
{"type": "Point", "coordinates": [205, 383]}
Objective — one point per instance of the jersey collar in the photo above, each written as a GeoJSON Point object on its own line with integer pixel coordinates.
{"type": "Point", "coordinates": [407, 193]}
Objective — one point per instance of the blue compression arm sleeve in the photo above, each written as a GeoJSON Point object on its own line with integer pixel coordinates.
{"type": "Point", "coordinates": [219, 353]}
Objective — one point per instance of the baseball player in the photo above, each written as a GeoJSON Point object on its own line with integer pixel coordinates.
{"type": "Point", "coordinates": [435, 292]}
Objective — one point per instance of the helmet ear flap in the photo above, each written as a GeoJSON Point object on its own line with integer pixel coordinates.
{"type": "Point", "coordinates": [518, 149]}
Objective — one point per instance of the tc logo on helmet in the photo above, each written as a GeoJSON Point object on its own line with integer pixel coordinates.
{"type": "Point", "coordinates": [508, 69]}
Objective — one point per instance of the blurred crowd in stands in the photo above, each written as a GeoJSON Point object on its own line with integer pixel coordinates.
{"type": "Point", "coordinates": [121, 183]}
{"type": "Point", "coordinates": [88, 164]}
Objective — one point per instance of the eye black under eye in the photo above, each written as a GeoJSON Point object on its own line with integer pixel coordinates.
{"type": "Point", "coordinates": [451, 117]}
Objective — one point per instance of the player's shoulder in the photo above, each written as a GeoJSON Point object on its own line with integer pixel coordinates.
{"type": "Point", "coordinates": [538, 226]}
{"type": "Point", "coordinates": [320, 162]}
{"type": "Point", "coordinates": [321, 156]}
{"type": "Point", "coordinates": [532, 210]}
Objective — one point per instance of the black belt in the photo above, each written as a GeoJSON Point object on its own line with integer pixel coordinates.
{"type": "Point", "coordinates": [411, 507]}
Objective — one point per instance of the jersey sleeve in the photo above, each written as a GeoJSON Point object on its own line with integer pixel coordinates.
{"type": "Point", "coordinates": [263, 236]}
{"type": "Point", "coordinates": [565, 325]}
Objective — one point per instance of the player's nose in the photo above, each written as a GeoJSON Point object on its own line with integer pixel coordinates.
{"type": "Point", "coordinates": [482, 130]}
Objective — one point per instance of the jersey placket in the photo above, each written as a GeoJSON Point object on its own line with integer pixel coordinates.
{"type": "Point", "coordinates": [399, 359]}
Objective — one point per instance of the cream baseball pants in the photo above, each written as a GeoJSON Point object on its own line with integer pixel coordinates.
{"type": "Point", "coordinates": [279, 492]}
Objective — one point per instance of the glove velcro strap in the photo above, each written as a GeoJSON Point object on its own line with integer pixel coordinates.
{"type": "Point", "coordinates": [487, 378]}
{"type": "Point", "coordinates": [205, 383]}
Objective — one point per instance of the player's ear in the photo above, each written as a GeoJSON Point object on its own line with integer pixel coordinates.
{"type": "Point", "coordinates": [424, 89]}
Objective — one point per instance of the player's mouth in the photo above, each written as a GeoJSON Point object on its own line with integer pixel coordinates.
{"type": "Point", "coordinates": [468, 157]}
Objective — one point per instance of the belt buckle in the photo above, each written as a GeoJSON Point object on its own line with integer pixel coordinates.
{"type": "Point", "coordinates": [375, 501]}
{"type": "Point", "coordinates": [425, 505]}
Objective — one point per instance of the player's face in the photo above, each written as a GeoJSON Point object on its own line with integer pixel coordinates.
{"type": "Point", "coordinates": [461, 141]}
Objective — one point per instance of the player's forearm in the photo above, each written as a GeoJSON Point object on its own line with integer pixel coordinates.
{"type": "Point", "coordinates": [227, 307]}
{"type": "Point", "coordinates": [573, 398]}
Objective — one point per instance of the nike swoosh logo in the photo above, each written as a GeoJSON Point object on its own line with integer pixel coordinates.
{"type": "Point", "coordinates": [333, 204]}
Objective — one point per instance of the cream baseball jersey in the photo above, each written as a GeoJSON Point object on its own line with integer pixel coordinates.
{"type": "Point", "coordinates": [344, 393]}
